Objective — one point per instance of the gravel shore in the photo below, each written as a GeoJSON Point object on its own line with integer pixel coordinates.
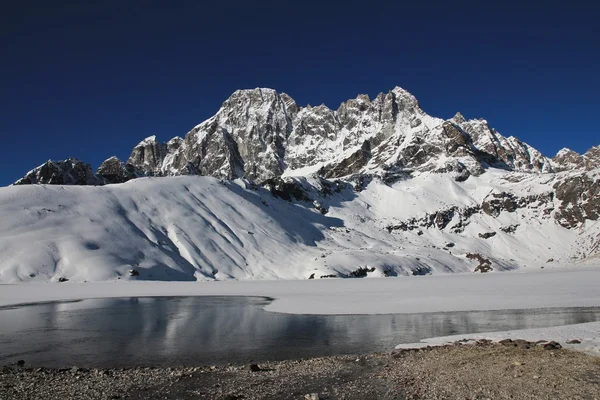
{"type": "Point", "coordinates": [476, 371]}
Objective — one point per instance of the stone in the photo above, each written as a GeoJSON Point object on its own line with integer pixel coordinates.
{"type": "Point", "coordinates": [552, 346]}
{"type": "Point", "coordinates": [320, 207]}
{"type": "Point", "coordinates": [574, 341]}
{"type": "Point", "coordinates": [254, 367]}
{"type": "Point", "coordinates": [312, 396]}
{"type": "Point", "coordinates": [523, 344]}
{"type": "Point", "coordinates": [487, 235]}
{"type": "Point", "coordinates": [361, 272]}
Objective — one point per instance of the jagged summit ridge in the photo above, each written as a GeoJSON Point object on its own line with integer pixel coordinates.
{"type": "Point", "coordinates": [67, 172]}
{"type": "Point", "coordinates": [260, 134]}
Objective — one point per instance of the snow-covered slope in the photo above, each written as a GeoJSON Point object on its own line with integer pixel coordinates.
{"type": "Point", "coordinates": [188, 228]}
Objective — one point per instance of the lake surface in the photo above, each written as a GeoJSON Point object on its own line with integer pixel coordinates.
{"type": "Point", "coordinates": [169, 331]}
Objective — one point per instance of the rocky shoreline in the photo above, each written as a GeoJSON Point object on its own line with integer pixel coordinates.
{"type": "Point", "coordinates": [482, 370]}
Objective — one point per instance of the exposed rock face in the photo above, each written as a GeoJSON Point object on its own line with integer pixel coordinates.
{"type": "Point", "coordinates": [568, 160]}
{"type": "Point", "coordinates": [286, 188]}
{"type": "Point", "coordinates": [580, 199]}
{"type": "Point", "coordinates": [68, 172]}
{"type": "Point", "coordinates": [114, 170]}
{"type": "Point", "coordinates": [495, 203]}
{"type": "Point", "coordinates": [487, 235]}
{"type": "Point", "coordinates": [439, 219]}
{"type": "Point", "coordinates": [149, 156]}
{"type": "Point", "coordinates": [259, 133]}
{"type": "Point", "coordinates": [485, 264]}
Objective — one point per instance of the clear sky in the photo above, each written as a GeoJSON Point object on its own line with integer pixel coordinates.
{"type": "Point", "coordinates": [90, 79]}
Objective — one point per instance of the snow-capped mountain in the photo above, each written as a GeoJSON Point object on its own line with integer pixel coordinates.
{"type": "Point", "coordinates": [261, 134]}
{"type": "Point", "coordinates": [373, 188]}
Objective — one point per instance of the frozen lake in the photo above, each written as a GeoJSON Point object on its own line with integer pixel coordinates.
{"type": "Point", "coordinates": [167, 331]}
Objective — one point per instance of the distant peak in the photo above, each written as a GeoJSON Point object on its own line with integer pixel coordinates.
{"type": "Point", "coordinates": [252, 96]}
{"type": "Point", "coordinates": [565, 151]}
{"type": "Point", "coordinates": [363, 97]}
{"type": "Point", "coordinates": [399, 90]}
{"type": "Point", "coordinates": [175, 140]}
{"type": "Point", "coordinates": [405, 96]}
{"type": "Point", "coordinates": [593, 152]}
{"type": "Point", "coordinates": [459, 118]}
{"type": "Point", "coordinates": [255, 91]}
{"type": "Point", "coordinates": [147, 141]}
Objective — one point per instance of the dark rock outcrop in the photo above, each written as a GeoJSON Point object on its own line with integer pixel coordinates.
{"type": "Point", "coordinates": [579, 197]}
{"type": "Point", "coordinates": [68, 172]}
{"type": "Point", "coordinates": [148, 156]}
{"type": "Point", "coordinates": [485, 264]}
{"type": "Point", "coordinates": [286, 188]}
{"type": "Point", "coordinates": [114, 170]}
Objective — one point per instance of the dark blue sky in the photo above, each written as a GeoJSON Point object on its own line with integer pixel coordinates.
{"type": "Point", "coordinates": [91, 79]}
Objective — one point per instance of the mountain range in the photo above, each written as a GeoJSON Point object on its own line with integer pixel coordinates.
{"type": "Point", "coordinates": [268, 189]}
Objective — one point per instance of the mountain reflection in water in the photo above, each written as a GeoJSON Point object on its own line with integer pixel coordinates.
{"type": "Point", "coordinates": [168, 331]}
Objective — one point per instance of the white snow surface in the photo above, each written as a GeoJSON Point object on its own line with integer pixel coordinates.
{"type": "Point", "coordinates": [588, 334]}
{"type": "Point", "coordinates": [561, 287]}
{"type": "Point", "coordinates": [200, 228]}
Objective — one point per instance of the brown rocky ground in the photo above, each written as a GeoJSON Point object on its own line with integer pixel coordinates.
{"type": "Point", "coordinates": [480, 371]}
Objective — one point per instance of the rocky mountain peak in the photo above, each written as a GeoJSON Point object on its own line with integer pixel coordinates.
{"type": "Point", "coordinates": [259, 134]}
{"type": "Point", "coordinates": [567, 159]}
{"type": "Point", "coordinates": [67, 172]}
{"type": "Point", "coordinates": [459, 118]}
{"type": "Point", "coordinates": [113, 170]}
{"type": "Point", "coordinates": [592, 157]}
{"type": "Point", "coordinates": [405, 97]}
{"type": "Point", "coordinates": [148, 156]}
{"type": "Point", "coordinates": [147, 141]}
